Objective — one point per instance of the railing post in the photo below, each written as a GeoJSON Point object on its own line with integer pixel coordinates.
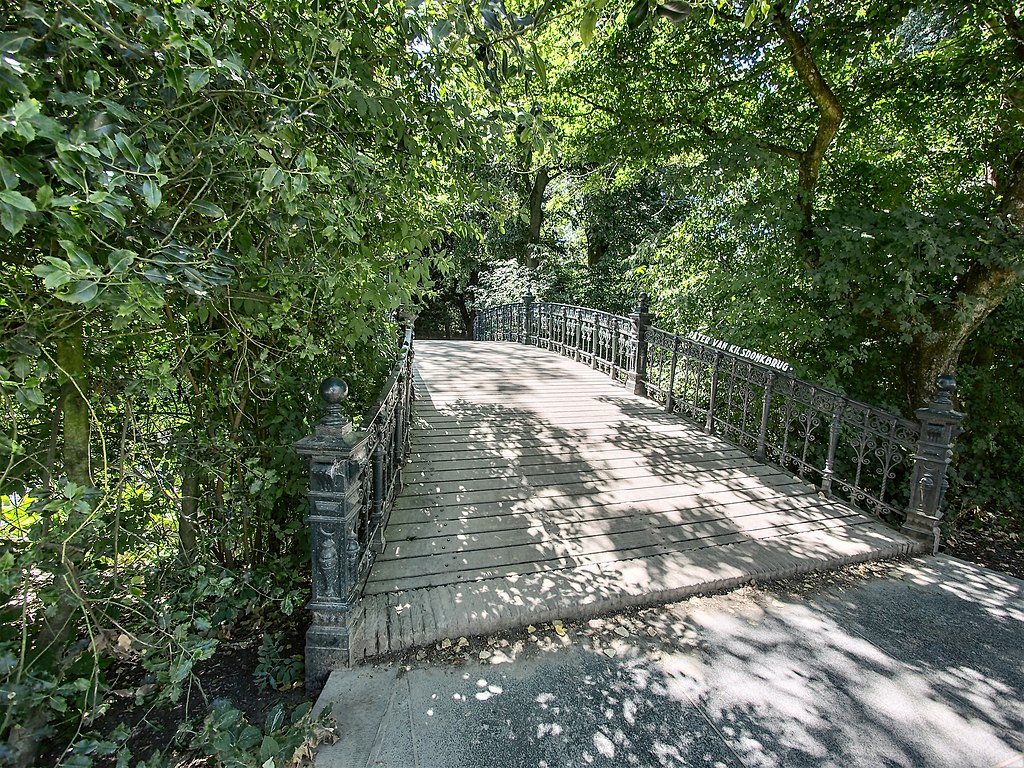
{"type": "Point", "coordinates": [709, 424]}
{"type": "Point", "coordinates": [377, 513]}
{"type": "Point", "coordinates": [527, 316]}
{"type": "Point", "coordinates": [337, 459]}
{"type": "Point", "coordinates": [670, 392]}
{"type": "Point", "coordinates": [940, 424]}
{"type": "Point", "coordinates": [636, 379]}
{"type": "Point", "coordinates": [833, 445]}
{"type": "Point", "coordinates": [766, 410]}
{"type": "Point", "coordinates": [578, 335]}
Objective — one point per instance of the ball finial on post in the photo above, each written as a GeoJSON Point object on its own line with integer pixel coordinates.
{"type": "Point", "coordinates": [945, 386]}
{"type": "Point", "coordinates": [333, 390]}
{"type": "Point", "coordinates": [334, 423]}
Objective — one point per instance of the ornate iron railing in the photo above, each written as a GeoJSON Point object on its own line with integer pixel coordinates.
{"type": "Point", "coordinates": [354, 479]}
{"type": "Point", "coordinates": [880, 462]}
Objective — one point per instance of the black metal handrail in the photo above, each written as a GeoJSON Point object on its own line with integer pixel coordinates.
{"type": "Point", "coordinates": [355, 477]}
{"type": "Point", "coordinates": [386, 426]}
{"type": "Point", "coordinates": [880, 462]}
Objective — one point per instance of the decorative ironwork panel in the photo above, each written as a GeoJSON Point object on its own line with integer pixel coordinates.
{"type": "Point", "coordinates": [855, 451]}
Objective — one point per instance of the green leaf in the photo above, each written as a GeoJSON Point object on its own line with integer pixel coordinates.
{"type": "Point", "coordinates": [44, 196]}
{"type": "Point", "coordinates": [131, 153]}
{"type": "Point", "coordinates": [538, 64]}
{"type": "Point", "coordinates": [273, 177]}
{"type": "Point", "coordinates": [7, 174]}
{"type": "Point", "coordinates": [198, 80]}
{"type": "Point", "coordinates": [269, 748]}
{"type": "Point", "coordinates": [109, 211]}
{"type": "Point", "coordinates": [637, 14]}
{"type": "Point", "coordinates": [301, 711]}
{"type": "Point", "coordinates": [587, 26]}
{"type": "Point", "coordinates": [18, 200]}
{"type": "Point", "coordinates": [749, 16]}
{"type": "Point", "coordinates": [174, 79]}
{"type": "Point", "coordinates": [80, 260]}
{"type": "Point", "coordinates": [151, 191]}
{"type": "Point", "coordinates": [12, 219]}
{"type": "Point", "coordinates": [490, 20]}
{"type": "Point", "coordinates": [180, 671]}
{"type": "Point", "coordinates": [120, 260]}
{"type": "Point", "coordinates": [249, 737]}
{"type": "Point", "coordinates": [207, 208]}
{"type": "Point", "coordinates": [53, 278]}
{"type": "Point", "coordinates": [81, 292]}
{"type": "Point", "coordinates": [275, 718]}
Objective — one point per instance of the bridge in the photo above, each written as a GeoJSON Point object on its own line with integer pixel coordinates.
{"type": "Point", "coordinates": [569, 462]}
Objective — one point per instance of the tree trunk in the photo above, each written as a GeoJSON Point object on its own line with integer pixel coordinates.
{"type": "Point", "coordinates": [465, 314]}
{"type": "Point", "coordinates": [597, 245]}
{"type": "Point", "coordinates": [985, 285]}
{"type": "Point", "coordinates": [189, 514]}
{"type": "Point", "coordinates": [536, 203]}
{"type": "Point", "coordinates": [70, 358]}
{"type": "Point", "coordinates": [830, 118]}
{"type": "Point", "coordinates": [57, 632]}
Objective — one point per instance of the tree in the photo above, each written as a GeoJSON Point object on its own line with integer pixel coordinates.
{"type": "Point", "coordinates": [205, 208]}
{"type": "Point", "coordinates": [883, 110]}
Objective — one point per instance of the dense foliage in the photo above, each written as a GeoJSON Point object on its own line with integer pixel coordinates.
{"type": "Point", "coordinates": [206, 208]}
{"type": "Point", "coordinates": [838, 184]}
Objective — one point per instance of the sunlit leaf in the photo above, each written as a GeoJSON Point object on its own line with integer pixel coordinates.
{"type": "Point", "coordinates": [151, 192]}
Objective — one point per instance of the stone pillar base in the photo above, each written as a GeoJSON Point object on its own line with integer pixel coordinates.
{"type": "Point", "coordinates": [923, 529]}
{"type": "Point", "coordinates": [328, 643]}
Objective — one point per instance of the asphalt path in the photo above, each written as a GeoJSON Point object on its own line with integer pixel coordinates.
{"type": "Point", "coordinates": [919, 663]}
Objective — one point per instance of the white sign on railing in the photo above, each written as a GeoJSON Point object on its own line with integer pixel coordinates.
{"type": "Point", "coordinates": [747, 354]}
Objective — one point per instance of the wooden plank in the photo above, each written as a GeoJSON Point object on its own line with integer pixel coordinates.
{"type": "Point", "coordinates": [577, 471]}
{"type": "Point", "coordinates": [548, 501]}
{"type": "Point", "coordinates": [457, 462]}
{"type": "Point", "coordinates": [659, 513]}
{"type": "Point", "coordinates": [537, 467]}
{"type": "Point", "coordinates": [483, 569]}
{"type": "Point", "coordinates": [572, 487]}
{"type": "Point", "coordinates": [531, 531]}
{"type": "Point", "coordinates": [524, 424]}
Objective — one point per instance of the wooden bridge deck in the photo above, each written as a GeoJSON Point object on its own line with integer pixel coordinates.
{"type": "Point", "coordinates": [539, 489]}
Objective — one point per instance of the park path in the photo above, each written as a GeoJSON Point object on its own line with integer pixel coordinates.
{"type": "Point", "coordinates": [538, 489]}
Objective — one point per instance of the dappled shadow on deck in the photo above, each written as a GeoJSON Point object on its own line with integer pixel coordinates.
{"type": "Point", "coordinates": [538, 489]}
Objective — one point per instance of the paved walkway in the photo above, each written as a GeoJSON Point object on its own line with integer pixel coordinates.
{"type": "Point", "coordinates": [537, 488]}
{"type": "Point", "coordinates": [919, 664]}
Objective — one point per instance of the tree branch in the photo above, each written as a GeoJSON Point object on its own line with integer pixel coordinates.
{"type": "Point", "coordinates": [779, 149]}
{"type": "Point", "coordinates": [829, 109]}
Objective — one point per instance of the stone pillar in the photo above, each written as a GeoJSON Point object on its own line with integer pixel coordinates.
{"type": "Point", "coordinates": [636, 378]}
{"type": "Point", "coordinates": [337, 459]}
{"type": "Point", "coordinates": [940, 425]}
